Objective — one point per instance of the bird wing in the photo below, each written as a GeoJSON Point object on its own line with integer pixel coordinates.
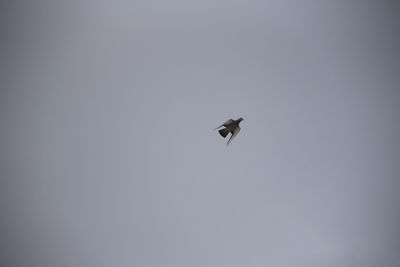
{"type": "Point", "coordinates": [225, 124]}
{"type": "Point", "coordinates": [234, 133]}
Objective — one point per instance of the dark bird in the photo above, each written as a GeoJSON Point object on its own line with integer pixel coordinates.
{"type": "Point", "coordinates": [231, 126]}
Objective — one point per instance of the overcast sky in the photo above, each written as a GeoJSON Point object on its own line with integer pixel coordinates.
{"type": "Point", "coordinates": [109, 158]}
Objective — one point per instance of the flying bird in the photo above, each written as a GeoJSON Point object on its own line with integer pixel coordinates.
{"type": "Point", "coordinates": [231, 126]}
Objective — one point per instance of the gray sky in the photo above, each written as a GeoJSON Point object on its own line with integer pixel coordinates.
{"type": "Point", "coordinates": [109, 157]}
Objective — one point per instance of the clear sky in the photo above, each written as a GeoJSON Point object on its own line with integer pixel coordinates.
{"type": "Point", "coordinates": [109, 158]}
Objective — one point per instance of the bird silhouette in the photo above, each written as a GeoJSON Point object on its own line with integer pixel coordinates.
{"type": "Point", "coordinates": [231, 126]}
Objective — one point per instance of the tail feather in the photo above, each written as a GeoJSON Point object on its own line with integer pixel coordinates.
{"type": "Point", "coordinates": [223, 132]}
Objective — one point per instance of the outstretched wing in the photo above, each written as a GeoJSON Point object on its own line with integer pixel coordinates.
{"type": "Point", "coordinates": [234, 133]}
{"type": "Point", "coordinates": [225, 124]}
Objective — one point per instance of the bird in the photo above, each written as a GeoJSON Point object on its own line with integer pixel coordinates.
{"type": "Point", "coordinates": [231, 126]}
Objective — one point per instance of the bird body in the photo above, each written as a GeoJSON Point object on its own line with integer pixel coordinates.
{"type": "Point", "coordinates": [231, 126]}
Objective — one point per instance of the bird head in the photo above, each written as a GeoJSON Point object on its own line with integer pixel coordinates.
{"type": "Point", "coordinates": [240, 119]}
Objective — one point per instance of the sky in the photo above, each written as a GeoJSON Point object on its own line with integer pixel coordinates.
{"type": "Point", "coordinates": [108, 154]}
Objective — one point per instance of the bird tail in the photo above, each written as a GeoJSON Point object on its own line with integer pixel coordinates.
{"type": "Point", "coordinates": [223, 132]}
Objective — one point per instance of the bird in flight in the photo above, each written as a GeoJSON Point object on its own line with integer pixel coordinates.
{"type": "Point", "coordinates": [231, 126]}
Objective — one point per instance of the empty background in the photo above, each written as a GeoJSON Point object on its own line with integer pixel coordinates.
{"type": "Point", "coordinates": [108, 157]}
